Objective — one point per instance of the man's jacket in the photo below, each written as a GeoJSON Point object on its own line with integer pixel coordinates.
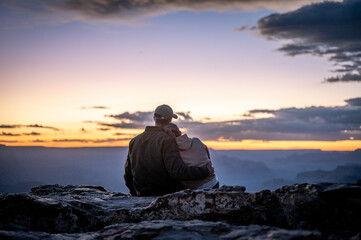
{"type": "Point", "coordinates": [154, 166]}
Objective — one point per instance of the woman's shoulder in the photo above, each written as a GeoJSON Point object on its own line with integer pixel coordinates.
{"type": "Point", "coordinates": [197, 141]}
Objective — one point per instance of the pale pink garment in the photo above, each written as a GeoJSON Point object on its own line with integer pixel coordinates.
{"type": "Point", "coordinates": [194, 153]}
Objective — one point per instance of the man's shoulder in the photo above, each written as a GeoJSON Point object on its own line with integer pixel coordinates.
{"type": "Point", "coordinates": [134, 139]}
{"type": "Point", "coordinates": [138, 136]}
{"type": "Point", "coordinates": [155, 134]}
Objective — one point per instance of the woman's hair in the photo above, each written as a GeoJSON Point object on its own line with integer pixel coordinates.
{"type": "Point", "coordinates": [172, 130]}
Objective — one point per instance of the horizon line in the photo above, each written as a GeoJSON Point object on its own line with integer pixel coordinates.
{"type": "Point", "coordinates": [240, 149]}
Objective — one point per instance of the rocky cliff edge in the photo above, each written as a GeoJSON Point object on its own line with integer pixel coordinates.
{"type": "Point", "coordinates": [301, 211]}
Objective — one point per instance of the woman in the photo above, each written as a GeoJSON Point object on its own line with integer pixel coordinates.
{"type": "Point", "coordinates": [194, 153]}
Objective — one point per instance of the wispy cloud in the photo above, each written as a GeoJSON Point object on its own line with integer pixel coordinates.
{"type": "Point", "coordinates": [331, 29]}
{"type": "Point", "coordinates": [354, 101]}
{"type": "Point", "coordinates": [32, 134]}
{"type": "Point", "coordinates": [9, 134]}
{"type": "Point", "coordinates": [28, 126]}
{"type": "Point", "coordinates": [71, 140]}
{"type": "Point", "coordinates": [254, 111]}
{"type": "Point", "coordinates": [138, 116]}
{"type": "Point", "coordinates": [130, 120]}
{"type": "Point", "coordinates": [95, 107]}
{"type": "Point", "coordinates": [129, 8]}
{"type": "Point", "coordinates": [106, 140]}
{"type": "Point", "coordinates": [103, 129]}
{"type": "Point", "coordinates": [110, 140]}
{"type": "Point", "coordinates": [8, 141]}
{"type": "Point", "coordinates": [41, 126]}
{"type": "Point", "coordinates": [18, 134]}
{"type": "Point", "coordinates": [123, 134]}
{"type": "Point", "coordinates": [9, 126]}
{"type": "Point", "coordinates": [128, 11]}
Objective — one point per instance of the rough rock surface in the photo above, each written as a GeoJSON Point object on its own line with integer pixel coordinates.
{"type": "Point", "coordinates": [170, 229]}
{"type": "Point", "coordinates": [302, 211]}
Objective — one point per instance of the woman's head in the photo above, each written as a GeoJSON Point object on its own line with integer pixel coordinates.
{"type": "Point", "coordinates": [172, 130]}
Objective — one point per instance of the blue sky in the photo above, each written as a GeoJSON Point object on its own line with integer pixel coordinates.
{"type": "Point", "coordinates": [56, 60]}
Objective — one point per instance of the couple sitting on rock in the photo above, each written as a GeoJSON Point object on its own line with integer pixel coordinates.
{"type": "Point", "coordinates": [161, 160]}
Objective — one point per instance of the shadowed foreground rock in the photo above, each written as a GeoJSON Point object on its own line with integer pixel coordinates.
{"type": "Point", "coordinates": [170, 229]}
{"type": "Point", "coordinates": [302, 211]}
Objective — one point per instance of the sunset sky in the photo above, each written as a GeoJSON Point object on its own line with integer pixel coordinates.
{"type": "Point", "coordinates": [242, 74]}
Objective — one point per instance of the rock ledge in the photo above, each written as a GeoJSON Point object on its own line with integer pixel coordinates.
{"type": "Point", "coordinates": [301, 211]}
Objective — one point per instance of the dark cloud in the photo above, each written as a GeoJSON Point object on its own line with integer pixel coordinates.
{"type": "Point", "coordinates": [354, 101]}
{"type": "Point", "coordinates": [95, 107]}
{"type": "Point", "coordinates": [71, 140]}
{"type": "Point", "coordinates": [41, 126]}
{"type": "Point", "coordinates": [124, 125]}
{"type": "Point", "coordinates": [330, 29]}
{"type": "Point", "coordinates": [38, 141]}
{"type": "Point", "coordinates": [9, 134]}
{"type": "Point", "coordinates": [130, 9]}
{"type": "Point", "coordinates": [254, 111]}
{"type": "Point", "coordinates": [139, 119]}
{"type": "Point", "coordinates": [18, 134]}
{"type": "Point", "coordinates": [135, 117]}
{"type": "Point", "coordinates": [9, 126]}
{"type": "Point", "coordinates": [130, 120]}
{"type": "Point", "coordinates": [103, 129]}
{"type": "Point", "coordinates": [122, 134]}
{"type": "Point", "coordinates": [184, 116]}
{"type": "Point", "coordinates": [91, 140]}
{"type": "Point", "coordinates": [345, 78]}
{"type": "Point", "coordinates": [32, 134]}
{"type": "Point", "coordinates": [241, 29]}
{"type": "Point", "coordinates": [28, 126]}
{"type": "Point", "coordinates": [111, 140]}
{"type": "Point", "coordinates": [8, 141]}
{"type": "Point", "coordinates": [309, 123]}
{"type": "Point", "coordinates": [83, 130]}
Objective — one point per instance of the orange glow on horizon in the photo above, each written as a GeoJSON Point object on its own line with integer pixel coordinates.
{"type": "Point", "coordinates": [346, 145]}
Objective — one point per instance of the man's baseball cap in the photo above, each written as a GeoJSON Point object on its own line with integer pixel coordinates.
{"type": "Point", "coordinates": [165, 112]}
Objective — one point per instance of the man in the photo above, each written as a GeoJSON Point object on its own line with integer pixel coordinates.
{"type": "Point", "coordinates": [154, 166]}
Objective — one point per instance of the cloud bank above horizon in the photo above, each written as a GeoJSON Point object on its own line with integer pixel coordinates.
{"type": "Point", "coordinates": [291, 124]}
{"type": "Point", "coordinates": [313, 123]}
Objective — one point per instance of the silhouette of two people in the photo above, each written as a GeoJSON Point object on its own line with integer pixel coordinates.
{"type": "Point", "coordinates": [161, 160]}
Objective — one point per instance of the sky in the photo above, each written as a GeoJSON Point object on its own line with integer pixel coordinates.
{"type": "Point", "coordinates": [241, 74]}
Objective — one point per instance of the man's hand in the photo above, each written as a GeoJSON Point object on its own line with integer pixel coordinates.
{"type": "Point", "coordinates": [211, 169]}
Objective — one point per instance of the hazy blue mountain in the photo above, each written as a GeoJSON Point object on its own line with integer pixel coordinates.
{"type": "Point", "coordinates": [342, 174]}
{"type": "Point", "coordinates": [24, 167]}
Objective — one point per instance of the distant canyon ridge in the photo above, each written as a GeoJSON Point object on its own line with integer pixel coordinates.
{"type": "Point", "coordinates": [22, 168]}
